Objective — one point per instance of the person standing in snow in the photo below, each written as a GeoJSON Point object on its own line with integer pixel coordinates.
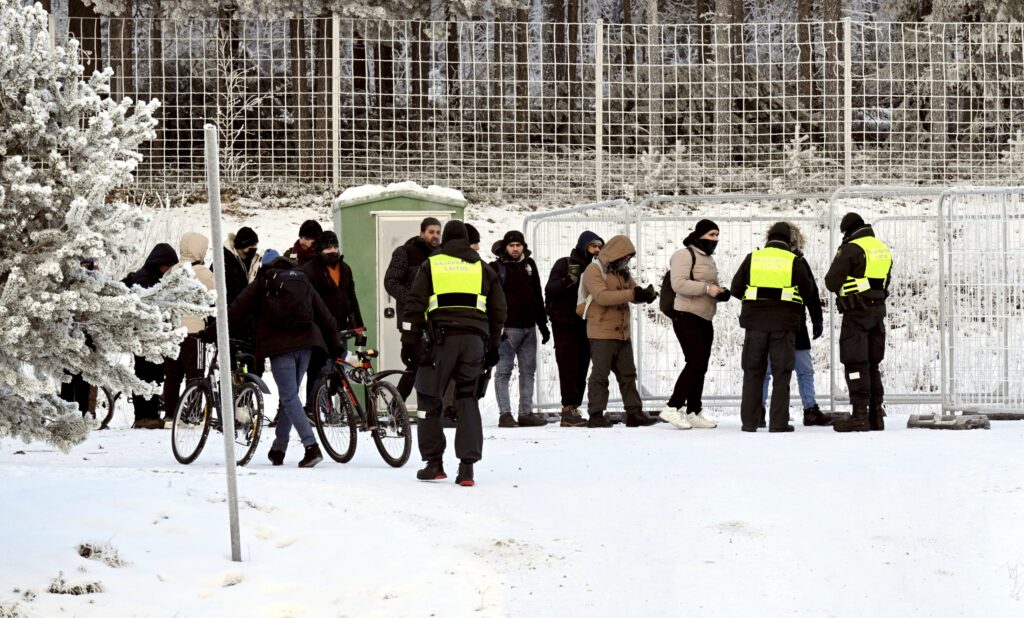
{"type": "Point", "coordinates": [451, 329]}
{"type": "Point", "coordinates": [694, 278]}
{"type": "Point", "coordinates": [399, 277]}
{"type": "Point", "coordinates": [241, 261]}
{"type": "Point", "coordinates": [606, 291]}
{"type": "Point", "coordinates": [774, 287]}
{"type": "Point", "coordinates": [520, 280]}
{"type": "Point", "coordinates": [291, 320]}
{"type": "Point", "coordinates": [188, 365]}
{"type": "Point", "coordinates": [147, 409]}
{"type": "Point", "coordinates": [572, 347]}
{"type": "Point", "coordinates": [860, 276]}
{"type": "Point", "coordinates": [303, 250]}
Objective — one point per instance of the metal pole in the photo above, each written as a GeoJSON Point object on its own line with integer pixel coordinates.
{"type": "Point", "coordinates": [943, 328]}
{"type": "Point", "coordinates": [227, 400]}
{"type": "Point", "coordinates": [53, 30]}
{"type": "Point", "coordinates": [848, 100]}
{"type": "Point", "coordinates": [1005, 298]}
{"type": "Point", "coordinates": [833, 387]}
{"type": "Point", "coordinates": [598, 106]}
{"type": "Point", "coordinates": [336, 101]}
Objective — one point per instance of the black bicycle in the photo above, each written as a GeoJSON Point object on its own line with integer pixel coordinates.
{"type": "Point", "coordinates": [339, 415]}
{"type": "Point", "coordinates": [193, 418]}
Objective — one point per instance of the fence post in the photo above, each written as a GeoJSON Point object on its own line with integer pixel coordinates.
{"type": "Point", "coordinates": [52, 20]}
{"type": "Point", "coordinates": [848, 101]}
{"type": "Point", "coordinates": [598, 106]}
{"type": "Point", "coordinates": [336, 102]}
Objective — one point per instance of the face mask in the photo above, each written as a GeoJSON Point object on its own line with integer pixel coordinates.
{"type": "Point", "coordinates": [331, 258]}
{"type": "Point", "coordinates": [706, 245]}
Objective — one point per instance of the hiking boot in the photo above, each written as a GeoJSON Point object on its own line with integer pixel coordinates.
{"type": "Point", "coordinates": [506, 420]}
{"type": "Point", "coordinates": [465, 475]}
{"type": "Point", "coordinates": [697, 420]}
{"type": "Point", "coordinates": [148, 423]}
{"type": "Point", "coordinates": [532, 420]}
{"type": "Point", "coordinates": [433, 471]}
{"type": "Point", "coordinates": [674, 417]}
{"type": "Point", "coordinates": [814, 416]}
{"type": "Point", "coordinates": [597, 420]}
{"type": "Point", "coordinates": [858, 421]}
{"type": "Point", "coordinates": [312, 457]}
{"type": "Point", "coordinates": [571, 418]}
{"type": "Point", "coordinates": [783, 429]}
{"type": "Point", "coordinates": [276, 457]}
{"type": "Point", "coordinates": [876, 417]}
{"type": "Point", "coordinates": [639, 419]}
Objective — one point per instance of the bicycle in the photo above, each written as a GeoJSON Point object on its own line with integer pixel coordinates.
{"type": "Point", "coordinates": [192, 417]}
{"type": "Point", "coordinates": [339, 414]}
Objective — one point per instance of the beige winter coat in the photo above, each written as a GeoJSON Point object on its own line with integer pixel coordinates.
{"type": "Point", "coordinates": [193, 251]}
{"type": "Point", "coordinates": [608, 314]}
{"type": "Point", "coordinates": [692, 294]}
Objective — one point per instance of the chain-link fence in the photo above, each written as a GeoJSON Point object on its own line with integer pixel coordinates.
{"type": "Point", "coordinates": [524, 110]}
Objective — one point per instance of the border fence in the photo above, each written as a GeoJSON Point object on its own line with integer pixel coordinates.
{"type": "Point", "coordinates": [524, 110]}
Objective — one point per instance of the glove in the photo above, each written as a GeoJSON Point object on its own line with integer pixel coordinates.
{"type": "Point", "coordinates": [817, 328]}
{"type": "Point", "coordinates": [644, 295]}
{"type": "Point", "coordinates": [491, 357]}
{"type": "Point", "coordinates": [545, 334]}
{"type": "Point", "coordinates": [410, 354]}
{"type": "Point", "coordinates": [724, 295]}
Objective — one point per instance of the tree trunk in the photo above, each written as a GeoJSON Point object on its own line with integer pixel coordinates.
{"type": "Point", "coordinates": [628, 37]}
{"type": "Point", "coordinates": [572, 16]}
{"type": "Point", "coordinates": [122, 47]}
{"type": "Point", "coordinates": [705, 15]}
{"type": "Point", "coordinates": [301, 99]}
{"type": "Point", "coordinates": [157, 89]}
{"type": "Point", "coordinates": [521, 85]}
{"type": "Point", "coordinates": [723, 103]}
{"type": "Point", "coordinates": [939, 52]}
{"type": "Point", "coordinates": [656, 64]}
{"type": "Point", "coordinates": [322, 101]}
{"type": "Point", "coordinates": [833, 83]}
{"type": "Point", "coordinates": [805, 90]}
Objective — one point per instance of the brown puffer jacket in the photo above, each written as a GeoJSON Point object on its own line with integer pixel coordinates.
{"type": "Point", "coordinates": [608, 314]}
{"type": "Point", "coordinates": [193, 251]}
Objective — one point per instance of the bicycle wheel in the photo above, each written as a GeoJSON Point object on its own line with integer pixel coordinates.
{"type": "Point", "coordinates": [392, 435]}
{"type": "Point", "coordinates": [248, 421]}
{"type": "Point", "coordinates": [191, 423]}
{"type": "Point", "coordinates": [335, 422]}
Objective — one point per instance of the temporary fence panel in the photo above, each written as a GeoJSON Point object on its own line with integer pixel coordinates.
{"type": "Point", "coordinates": [982, 239]}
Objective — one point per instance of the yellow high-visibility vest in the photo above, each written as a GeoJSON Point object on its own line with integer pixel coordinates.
{"type": "Point", "coordinates": [771, 276]}
{"type": "Point", "coordinates": [876, 271]}
{"type": "Point", "coordinates": [457, 284]}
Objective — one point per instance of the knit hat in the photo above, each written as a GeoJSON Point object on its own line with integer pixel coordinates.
{"type": "Point", "coordinates": [269, 256]}
{"type": "Point", "coordinates": [474, 235]}
{"type": "Point", "coordinates": [246, 237]}
{"type": "Point", "coordinates": [454, 230]}
{"type": "Point", "coordinates": [310, 229]}
{"type": "Point", "coordinates": [703, 227]}
{"type": "Point", "coordinates": [514, 236]}
{"type": "Point", "coordinates": [851, 221]}
{"type": "Point", "coordinates": [327, 239]}
{"type": "Point", "coordinates": [780, 231]}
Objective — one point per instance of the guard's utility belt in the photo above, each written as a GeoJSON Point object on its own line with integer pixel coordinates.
{"type": "Point", "coordinates": [854, 302]}
{"type": "Point", "coordinates": [438, 332]}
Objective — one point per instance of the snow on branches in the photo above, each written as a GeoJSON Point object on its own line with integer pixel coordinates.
{"type": "Point", "coordinates": [64, 147]}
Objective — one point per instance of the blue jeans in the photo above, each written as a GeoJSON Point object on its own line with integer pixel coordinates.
{"type": "Point", "coordinates": [519, 343]}
{"type": "Point", "coordinates": [804, 379]}
{"type": "Point", "coordinates": [288, 370]}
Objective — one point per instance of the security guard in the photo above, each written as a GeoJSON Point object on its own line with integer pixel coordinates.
{"type": "Point", "coordinates": [859, 276]}
{"type": "Point", "coordinates": [452, 323]}
{"type": "Point", "coordinates": [774, 287]}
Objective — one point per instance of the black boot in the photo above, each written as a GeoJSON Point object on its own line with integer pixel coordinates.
{"type": "Point", "coordinates": [597, 420]}
{"type": "Point", "coordinates": [433, 471]}
{"type": "Point", "coordinates": [312, 457]}
{"type": "Point", "coordinates": [506, 420]}
{"type": "Point", "coordinates": [276, 457]}
{"type": "Point", "coordinates": [876, 417]}
{"type": "Point", "coordinates": [639, 419]}
{"type": "Point", "coordinates": [814, 416]}
{"type": "Point", "coordinates": [465, 476]}
{"type": "Point", "coordinates": [532, 420]}
{"type": "Point", "coordinates": [858, 421]}
{"type": "Point", "coordinates": [571, 418]}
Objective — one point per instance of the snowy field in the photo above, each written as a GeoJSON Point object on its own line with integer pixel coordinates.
{"type": "Point", "coordinates": [562, 522]}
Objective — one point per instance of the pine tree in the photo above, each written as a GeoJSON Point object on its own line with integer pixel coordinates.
{"type": "Point", "coordinates": [65, 146]}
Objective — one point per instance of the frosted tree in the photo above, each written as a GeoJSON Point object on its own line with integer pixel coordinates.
{"type": "Point", "coordinates": [64, 147]}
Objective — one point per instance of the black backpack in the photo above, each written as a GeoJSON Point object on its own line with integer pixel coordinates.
{"type": "Point", "coordinates": [288, 302]}
{"type": "Point", "coordinates": [668, 295]}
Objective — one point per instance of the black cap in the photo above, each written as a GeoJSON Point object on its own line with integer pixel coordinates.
{"type": "Point", "coordinates": [780, 231]}
{"type": "Point", "coordinates": [310, 229]}
{"type": "Point", "coordinates": [474, 235]}
{"type": "Point", "coordinates": [327, 239]}
{"type": "Point", "coordinates": [246, 237]}
{"type": "Point", "coordinates": [514, 236]}
{"type": "Point", "coordinates": [454, 230]}
{"type": "Point", "coordinates": [703, 227]}
{"type": "Point", "coordinates": [851, 221]}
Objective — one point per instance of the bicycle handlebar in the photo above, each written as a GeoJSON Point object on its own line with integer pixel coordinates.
{"type": "Point", "coordinates": [352, 333]}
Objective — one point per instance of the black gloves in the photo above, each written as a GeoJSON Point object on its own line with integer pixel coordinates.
{"type": "Point", "coordinates": [644, 295]}
{"type": "Point", "coordinates": [410, 354]}
{"type": "Point", "coordinates": [545, 334]}
{"type": "Point", "coordinates": [817, 328]}
{"type": "Point", "coordinates": [491, 357]}
{"type": "Point", "coordinates": [724, 295]}
{"type": "Point", "coordinates": [414, 351]}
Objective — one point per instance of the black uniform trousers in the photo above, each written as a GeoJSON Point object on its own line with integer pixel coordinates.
{"type": "Point", "coordinates": [695, 335]}
{"type": "Point", "coordinates": [149, 407]}
{"type": "Point", "coordinates": [758, 347]}
{"type": "Point", "coordinates": [572, 355]}
{"type": "Point", "coordinates": [861, 350]}
{"type": "Point", "coordinates": [187, 366]}
{"type": "Point", "coordinates": [458, 358]}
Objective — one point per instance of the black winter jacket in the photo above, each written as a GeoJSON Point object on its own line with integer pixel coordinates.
{"type": "Point", "coordinates": [270, 339]}
{"type": "Point", "coordinates": [851, 261]}
{"type": "Point", "coordinates": [803, 338]}
{"type": "Point", "coordinates": [236, 274]}
{"type": "Point", "coordinates": [521, 285]}
{"type": "Point", "coordinates": [149, 275]}
{"type": "Point", "coordinates": [340, 299]}
{"type": "Point", "coordinates": [776, 315]}
{"type": "Point", "coordinates": [488, 325]}
{"type": "Point", "coordinates": [561, 290]}
{"type": "Point", "coordinates": [401, 272]}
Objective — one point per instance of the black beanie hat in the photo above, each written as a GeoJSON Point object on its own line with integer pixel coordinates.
{"type": "Point", "coordinates": [703, 227]}
{"type": "Point", "coordinates": [454, 230]}
{"type": "Point", "coordinates": [474, 235]}
{"type": "Point", "coordinates": [780, 231]}
{"type": "Point", "coordinates": [851, 221]}
{"type": "Point", "coordinates": [514, 236]}
{"type": "Point", "coordinates": [310, 229]}
{"type": "Point", "coordinates": [327, 239]}
{"type": "Point", "coordinates": [246, 237]}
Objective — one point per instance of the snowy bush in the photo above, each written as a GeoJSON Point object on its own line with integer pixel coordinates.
{"type": "Point", "coordinates": [64, 147]}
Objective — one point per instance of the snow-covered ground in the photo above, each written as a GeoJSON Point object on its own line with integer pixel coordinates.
{"type": "Point", "coordinates": [563, 522]}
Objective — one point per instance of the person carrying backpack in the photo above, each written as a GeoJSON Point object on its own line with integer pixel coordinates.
{"type": "Point", "coordinates": [291, 320]}
{"type": "Point", "coordinates": [694, 293]}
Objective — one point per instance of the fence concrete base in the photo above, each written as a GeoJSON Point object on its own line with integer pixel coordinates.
{"type": "Point", "coordinates": [939, 421]}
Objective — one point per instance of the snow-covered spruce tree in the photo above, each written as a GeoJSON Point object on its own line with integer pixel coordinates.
{"type": "Point", "coordinates": [64, 147]}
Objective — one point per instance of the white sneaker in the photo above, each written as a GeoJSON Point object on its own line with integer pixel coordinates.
{"type": "Point", "coordinates": [675, 417]}
{"type": "Point", "coordinates": [699, 421]}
